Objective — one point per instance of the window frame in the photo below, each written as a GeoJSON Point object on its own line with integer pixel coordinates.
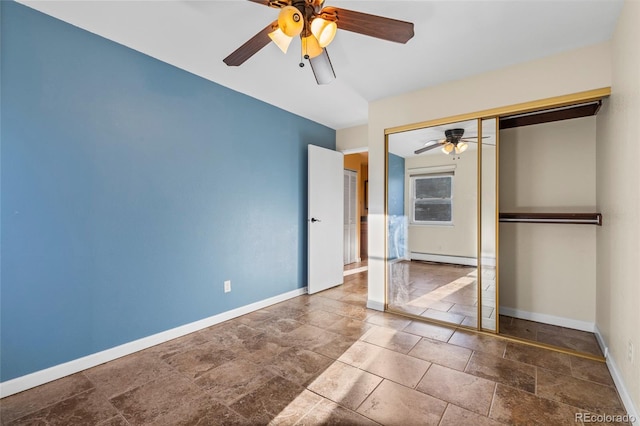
{"type": "Point", "coordinates": [415, 177]}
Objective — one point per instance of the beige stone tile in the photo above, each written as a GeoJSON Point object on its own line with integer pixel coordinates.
{"type": "Point", "coordinates": [400, 368]}
{"type": "Point", "coordinates": [479, 342]}
{"type": "Point", "coordinates": [595, 371]}
{"type": "Point", "coordinates": [23, 403]}
{"type": "Point", "coordinates": [86, 408]}
{"type": "Point", "coordinates": [505, 371]}
{"type": "Point", "coordinates": [126, 373]}
{"type": "Point", "coordinates": [233, 379]}
{"type": "Point", "coordinates": [384, 319]}
{"type": "Point", "coordinates": [585, 395]}
{"type": "Point", "coordinates": [432, 331]}
{"type": "Point", "coordinates": [350, 327]}
{"type": "Point", "coordinates": [456, 416]}
{"type": "Point", "coordinates": [335, 347]}
{"type": "Point", "coordinates": [540, 357]}
{"type": "Point", "coordinates": [296, 409]}
{"type": "Point", "coordinates": [261, 349]}
{"type": "Point", "coordinates": [360, 353]}
{"type": "Point", "coordinates": [394, 404]}
{"type": "Point", "coordinates": [442, 353]}
{"type": "Point", "coordinates": [330, 413]}
{"type": "Point", "coordinates": [344, 384]}
{"type": "Point", "coordinates": [468, 391]}
{"type": "Point", "coordinates": [114, 421]}
{"type": "Point", "coordinates": [267, 401]}
{"type": "Point", "coordinates": [149, 403]}
{"type": "Point", "coordinates": [589, 346]}
{"type": "Point", "coordinates": [395, 340]}
{"type": "Point", "coordinates": [195, 361]}
{"type": "Point", "coordinates": [307, 336]}
{"type": "Point", "coordinates": [516, 407]}
{"type": "Point", "coordinates": [299, 365]}
{"type": "Point", "coordinates": [320, 318]}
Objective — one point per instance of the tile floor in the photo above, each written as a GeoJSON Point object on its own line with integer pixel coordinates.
{"type": "Point", "coordinates": [568, 338]}
{"type": "Point", "coordinates": [443, 292]}
{"type": "Point", "coordinates": [325, 359]}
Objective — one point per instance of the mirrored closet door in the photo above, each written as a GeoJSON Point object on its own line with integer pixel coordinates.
{"type": "Point", "coordinates": [441, 211]}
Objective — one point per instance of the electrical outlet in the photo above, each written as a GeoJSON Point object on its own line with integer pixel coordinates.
{"type": "Point", "coordinates": [227, 286]}
{"type": "Point", "coordinates": [630, 351]}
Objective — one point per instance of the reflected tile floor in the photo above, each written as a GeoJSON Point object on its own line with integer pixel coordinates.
{"type": "Point", "coordinates": [325, 359]}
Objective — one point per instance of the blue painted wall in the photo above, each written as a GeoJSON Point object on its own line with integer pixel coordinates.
{"type": "Point", "coordinates": [396, 185]}
{"type": "Point", "coordinates": [397, 246]}
{"type": "Point", "coordinates": [130, 191]}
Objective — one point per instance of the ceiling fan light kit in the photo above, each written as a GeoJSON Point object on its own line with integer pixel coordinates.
{"type": "Point", "coordinates": [453, 142]}
{"type": "Point", "coordinates": [317, 26]}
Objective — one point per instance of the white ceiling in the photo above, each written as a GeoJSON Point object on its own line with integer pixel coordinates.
{"type": "Point", "coordinates": [404, 144]}
{"type": "Point", "coordinates": [453, 40]}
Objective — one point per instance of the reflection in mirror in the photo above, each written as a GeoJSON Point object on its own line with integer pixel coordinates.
{"type": "Point", "coordinates": [432, 223]}
{"type": "Point", "coordinates": [488, 223]}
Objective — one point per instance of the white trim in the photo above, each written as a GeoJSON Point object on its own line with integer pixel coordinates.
{"type": "Point", "coordinates": [625, 396]}
{"type": "Point", "coordinates": [355, 270]}
{"type": "Point", "coordinates": [354, 150]}
{"type": "Point", "coordinates": [41, 377]}
{"type": "Point", "coordinates": [372, 304]}
{"type": "Point", "coordinates": [442, 258]}
{"type": "Point", "coordinates": [548, 319]}
{"type": "Point", "coordinates": [430, 170]}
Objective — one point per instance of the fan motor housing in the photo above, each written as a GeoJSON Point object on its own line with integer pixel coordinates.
{"type": "Point", "coordinates": [453, 134]}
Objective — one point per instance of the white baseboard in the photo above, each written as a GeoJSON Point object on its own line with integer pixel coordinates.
{"type": "Point", "coordinates": [372, 304]}
{"type": "Point", "coordinates": [619, 382]}
{"type": "Point", "coordinates": [548, 319]}
{"type": "Point", "coordinates": [41, 377]}
{"type": "Point", "coordinates": [456, 260]}
{"type": "Point", "coordinates": [355, 270]}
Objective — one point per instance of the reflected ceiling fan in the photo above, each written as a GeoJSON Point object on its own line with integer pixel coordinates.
{"type": "Point", "coordinates": [452, 142]}
{"type": "Point", "coordinates": [316, 26]}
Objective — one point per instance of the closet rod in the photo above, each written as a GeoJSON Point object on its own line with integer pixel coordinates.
{"type": "Point", "coordinates": [573, 218]}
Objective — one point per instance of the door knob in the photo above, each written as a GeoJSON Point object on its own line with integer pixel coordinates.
{"type": "Point", "coordinates": [313, 220]}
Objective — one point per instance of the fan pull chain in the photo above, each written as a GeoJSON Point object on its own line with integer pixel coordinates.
{"type": "Point", "coordinates": [301, 55]}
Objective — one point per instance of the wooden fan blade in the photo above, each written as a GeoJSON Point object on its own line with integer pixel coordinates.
{"type": "Point", "coordinates": [322, 68]}
{"type": "Point", "coordinates": [272, 3]}
{"type": "Point", "coordinates": [251, 47]}
{"type": "Point", "coordinates": [370, 25]}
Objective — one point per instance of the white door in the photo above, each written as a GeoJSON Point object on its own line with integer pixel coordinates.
{"type": "Point", "coordinates": [325, 227]}
{"type": "Point", "coordinates": [350, 215]}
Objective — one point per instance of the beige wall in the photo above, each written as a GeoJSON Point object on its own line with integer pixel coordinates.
{"type": "Point", "coordinates": [618, 198]}
{"type": "Point", "coordinates": [575, 71]}
{"type": "Point", "coordinates": [460, 239]}
{"type": "Point", "coordinates": [352, 138]}
{"type": "Point", "coordinates": [549, 269]}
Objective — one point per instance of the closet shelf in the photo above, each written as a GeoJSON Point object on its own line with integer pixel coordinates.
{"type": "Point", "coordinates": [573, 218]}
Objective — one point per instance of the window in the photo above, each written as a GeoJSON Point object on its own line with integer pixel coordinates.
{"type": "Point", "coordinates": [431, 199]}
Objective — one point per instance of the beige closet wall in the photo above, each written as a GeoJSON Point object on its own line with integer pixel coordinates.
{"type": "Point", "coordinates": [618, 198]}
{"type": "Point", "coordinates": [548, 271]}
{"type": "Point", "coordinates": [570, 72]}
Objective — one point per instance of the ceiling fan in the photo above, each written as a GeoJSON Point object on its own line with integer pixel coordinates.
{"type": "Point", "coordinates": [316, 26]}
{"type": "Point", "coordinates": [453, 142]}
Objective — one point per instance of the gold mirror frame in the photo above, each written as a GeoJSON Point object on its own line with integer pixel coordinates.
{"type": "Point", "coordinates": [497, 113]}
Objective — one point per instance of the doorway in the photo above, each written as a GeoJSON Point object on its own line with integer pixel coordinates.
{"type": "Point", "coordinates": [357, 165]}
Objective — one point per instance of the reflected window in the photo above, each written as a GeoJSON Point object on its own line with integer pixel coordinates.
{"type": "Point", "coordinates": [432, 199]}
